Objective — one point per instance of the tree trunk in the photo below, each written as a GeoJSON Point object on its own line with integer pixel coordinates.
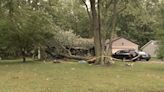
{"type": "Point", "coordinates": [23, 55]}
{"type": "Point", "coordinates": [100, 33]}
{"type": "Point", "coordinates": [114, 20]}
{"type": "Point", "coordinates": [96, 31]}
{"type": "Point", "coordinates": [39, 53]}
{"type": "Point", "coordinates": [113, 27]}
{"type": "Point", "coordinates": [24, 59]}
{"type": "Point", "coordinates": [90, 19]}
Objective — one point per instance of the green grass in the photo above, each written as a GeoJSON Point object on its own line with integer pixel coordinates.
{"type": "Point", "coordinates": [73, 77]}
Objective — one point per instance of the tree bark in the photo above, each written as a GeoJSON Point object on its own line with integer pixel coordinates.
{"type": "Point", "coordinates": [23, 55]}
{"type": "Point", "coordinates": [24, 59]}
{"type": "Point", "coordinates": [113, 27]}
{"type": "Point", "coordinates": [96, 31]}
{"type": "Point", "coordinates": [89, 15]}
{"type": "Point", "coordinates": [90, 19]}
{"type": "Point", "coordinates": [39, 53]}
{"type": "Point", "coordinates": [101, 38]}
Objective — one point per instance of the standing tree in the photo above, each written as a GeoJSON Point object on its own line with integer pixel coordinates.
{"type": "Point", "coordinates": [96, 27]}
{"type": "Point", "coordinates": [25, 28]}
{"type": "Point", "coordinates": [160, 32]}
{"type": "Point", "coordinates": [99, 13]}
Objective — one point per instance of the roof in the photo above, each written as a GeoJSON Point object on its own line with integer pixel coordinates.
{"type": "Point", "coordinates": [115, 39]}
{"type": "Point", "coordinates": [148, 43]}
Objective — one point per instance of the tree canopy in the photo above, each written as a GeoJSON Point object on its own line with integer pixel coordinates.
{"type": "Point", "coordinates": [26, 25]}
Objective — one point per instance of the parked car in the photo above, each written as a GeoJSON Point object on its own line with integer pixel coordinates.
{"type": "Point", "coordinates": [143, 56]}
{"type": "Point", "coordinates": [131, 55]}
{"type": "Point", "coordinates": [125, 54]}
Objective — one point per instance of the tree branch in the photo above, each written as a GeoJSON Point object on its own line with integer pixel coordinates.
{"type": "Point", "coordinates": [108, 4]}
{"type": "Point", "coordinates": [123, 8]}
{"type": "Point", "coordinates": [87, 9]}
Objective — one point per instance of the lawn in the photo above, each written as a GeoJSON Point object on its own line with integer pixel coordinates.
{"type": "Point", "coordinates": [73, 77]}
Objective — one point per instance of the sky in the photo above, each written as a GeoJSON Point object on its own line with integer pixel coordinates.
{"type": "Point", "coordinates": [87, 2]}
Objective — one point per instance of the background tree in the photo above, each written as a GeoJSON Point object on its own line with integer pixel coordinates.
{"type": "Point", "coordinates": [160, 32]}
{"type": "Point", "coordinates": [30, 22]}
{"type": "Point", "coordinates": [23, 30]}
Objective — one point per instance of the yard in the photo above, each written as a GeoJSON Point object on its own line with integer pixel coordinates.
{"type": "Point", "coordinates": [73, 77]}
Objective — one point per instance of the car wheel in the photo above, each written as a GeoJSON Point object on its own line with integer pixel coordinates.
{"type": "Point", "coordinates": [147, 59]}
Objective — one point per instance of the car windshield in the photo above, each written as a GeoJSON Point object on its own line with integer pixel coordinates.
{"type": "Point", "coordinates": [122, 51]}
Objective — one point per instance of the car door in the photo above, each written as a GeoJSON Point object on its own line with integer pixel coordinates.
{"type": "Point", "coordinates": [122, 54]}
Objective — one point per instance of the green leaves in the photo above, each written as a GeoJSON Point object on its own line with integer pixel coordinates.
{"type": "Point", "coordinates": [26, 28]}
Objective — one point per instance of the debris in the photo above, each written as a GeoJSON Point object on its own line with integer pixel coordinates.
{"type": "Point", "coordinates": [91, 61]}
{"type": "Point", "coordinates": [82, 62]}
{"type": "Point", "coordinates": [129, 64]}
{"type": "Point", "coordinates": [56, 61]}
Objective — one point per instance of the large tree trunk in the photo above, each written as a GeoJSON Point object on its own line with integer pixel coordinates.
{"type": "Point", "coordinates": [24, 59]}
{"type": "Point", "coordinates": [39, 53]}
{"type": "Point", "coordinates": [102, 40]}
{"type": "Point", "coordinates": [114, 20]}
{"type": "Point", "coordinates": [23, 55]}
{"type": "Point", "coordinates": [113, 27]}
{"type": "Point", "coordinates": [96, 30]}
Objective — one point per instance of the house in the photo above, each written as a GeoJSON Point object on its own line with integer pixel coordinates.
{"type": "Point", "coordinates": [151, 48]}
{"type": "Point", "coordinates": [123, 44]}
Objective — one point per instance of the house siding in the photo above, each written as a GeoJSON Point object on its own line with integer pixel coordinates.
{"type": "Point", "coordinates": [151, 49]}
{"type": "Point", "coordinates": [123, 44]}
